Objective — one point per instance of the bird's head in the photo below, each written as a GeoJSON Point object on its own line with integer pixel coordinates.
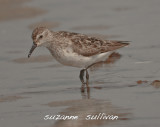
{"type": "Point", "coordinates": [40, 36]}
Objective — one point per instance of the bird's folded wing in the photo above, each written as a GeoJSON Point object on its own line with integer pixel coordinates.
{"type": "Point", "coordinates": [88, 46]}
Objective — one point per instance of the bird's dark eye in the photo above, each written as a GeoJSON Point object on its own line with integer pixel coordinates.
{"type": "Point", "coordinates": [40, 37]}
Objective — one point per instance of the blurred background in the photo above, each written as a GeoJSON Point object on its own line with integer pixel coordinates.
{"type": "Point", "coordinates": [127, 86]}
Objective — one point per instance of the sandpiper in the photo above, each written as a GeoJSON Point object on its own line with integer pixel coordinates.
{"type": "Point", "coordinates": [74, 49]}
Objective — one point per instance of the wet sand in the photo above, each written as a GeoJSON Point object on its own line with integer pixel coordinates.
{"type": "Point", "coordinates": [126, 84]}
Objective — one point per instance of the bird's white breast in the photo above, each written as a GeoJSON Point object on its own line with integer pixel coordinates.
{"type": "Point", "coordinates": [70, 58]}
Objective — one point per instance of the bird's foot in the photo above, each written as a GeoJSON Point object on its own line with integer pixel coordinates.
{"type": "Point", "coordinates": [82, 88]}
{"type": "Point", "coordinates": [81, 76]}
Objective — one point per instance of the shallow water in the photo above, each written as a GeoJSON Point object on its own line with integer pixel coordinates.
{"type": "Point", "coordinates": [123, 85]}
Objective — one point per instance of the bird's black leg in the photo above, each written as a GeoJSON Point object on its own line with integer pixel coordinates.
{"type": "Point", "coordinates": [81, 75]}
{"type": "Point", "coordinates": [87, 78]}
{"type": "Point", "coordinates": [87, 75]}
{"type": "Point", "coordinates": [87, 81]}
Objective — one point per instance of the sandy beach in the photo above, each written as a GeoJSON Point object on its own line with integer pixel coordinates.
{"type": "Point", "coordinates": [127, 85]}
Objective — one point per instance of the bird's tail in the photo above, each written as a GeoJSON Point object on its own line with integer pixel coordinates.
{"type": "Point", "coordinates": [123, 43]}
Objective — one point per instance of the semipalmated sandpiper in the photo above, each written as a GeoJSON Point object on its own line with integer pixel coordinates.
{"type": "Point", "coordinates": [74, 49]}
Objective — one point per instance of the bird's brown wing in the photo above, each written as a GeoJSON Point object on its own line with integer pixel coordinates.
{"type": "Point", "coordinates": [88, 46]}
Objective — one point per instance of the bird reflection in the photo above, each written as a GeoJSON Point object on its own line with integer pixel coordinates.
{"type": "Point", "coordinates": [84, 107]}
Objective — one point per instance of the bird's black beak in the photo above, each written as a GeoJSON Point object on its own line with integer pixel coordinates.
{"type": "Point", "coordinates": [32, 49]}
